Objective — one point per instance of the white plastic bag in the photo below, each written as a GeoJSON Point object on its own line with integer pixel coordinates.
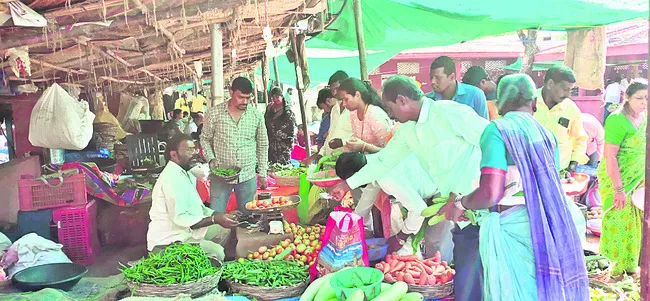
{"type": "Point", "coordinates": [60, 122]}
{"type": "Point", "coordinates": [33, 250]}
{"type": "Point", "coordinates": [201, 171]}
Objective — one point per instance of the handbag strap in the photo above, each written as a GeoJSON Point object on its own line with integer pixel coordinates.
{"type": "Point", "coordinates": [346, 216]}
{"type": "Point", "coordinates": [44, 179]}
{"type": "Point", "coordinates": [55, 174]}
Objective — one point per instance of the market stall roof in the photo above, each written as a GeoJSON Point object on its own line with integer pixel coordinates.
{"type": "Point", "coordinates": [148, 42]}
{"type": "Point", "coordinates": [152, 41]}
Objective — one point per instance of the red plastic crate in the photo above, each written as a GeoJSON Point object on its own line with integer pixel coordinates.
{"type": "Point", "coordinates": [36, 195]}
{"type": "Point", "coordinates": [77, 229]}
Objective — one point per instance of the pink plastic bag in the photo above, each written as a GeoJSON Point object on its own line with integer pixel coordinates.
{"type": "Point", "coordinates": [343, 244]}
{"type": "Point", "coordinates": [298, 153]}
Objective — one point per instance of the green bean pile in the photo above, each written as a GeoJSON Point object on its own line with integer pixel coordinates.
{"type": "Point", "coordinates": [274, 273]}
{"type": "Point", "coordinates": [224, 172]}
{"type": "Point", "coordinates": [291, 172]}
{"type": "Point", "coordinates": [178, 264]}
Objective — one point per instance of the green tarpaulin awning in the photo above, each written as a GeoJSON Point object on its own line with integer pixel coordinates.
{"type": "Point", "coordinates": [537, 66]}
{"type": "Point", "coordinates": [406, 24]}
{"type": "Point", "coordinates": [391, 26]}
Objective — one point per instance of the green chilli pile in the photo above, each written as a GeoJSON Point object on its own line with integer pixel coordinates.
{"type": "Point", "coordinates": [178, 264]}
{"type": "Point", "coordinates": [274, 273]}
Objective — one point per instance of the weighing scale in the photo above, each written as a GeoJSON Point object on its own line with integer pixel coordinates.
{"type": "Point", "coordinates": [270, 220]}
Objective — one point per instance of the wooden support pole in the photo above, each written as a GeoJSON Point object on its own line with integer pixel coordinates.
{"type": "Point", "coordinates": [276, 71]}
{"type": "Point", "coordinates": [265, 79]}
{"type": "Point", "coordinates": [51, 66]}
{"type": "Point", "coordinates": [645, 234]}
{"type": "Point", "coordinates": [358, 25]}
{"type": "Point", "coordinates": [251, 76]}
{"type": "Point", "coordinates": [217, 64]}
{"type": "Point", "coordinates": [300, 88]}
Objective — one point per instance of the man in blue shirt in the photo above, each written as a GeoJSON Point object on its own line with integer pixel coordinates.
{"type": "Point", "coordinates": [445, 86]}
{"type": "Point", "coordinates": [325, 102]}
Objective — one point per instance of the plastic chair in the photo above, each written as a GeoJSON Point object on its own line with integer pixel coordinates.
{"type": "Point", "coordinates": [140, 148]}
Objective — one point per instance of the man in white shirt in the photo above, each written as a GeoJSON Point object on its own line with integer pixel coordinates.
{"type": "Point", "coordinates": [177, 212]}
{"type": "Point", "coordinates": [340, 126]}
{"type": "Point", "coordinates": [624, 82]}
{"type": "Point", "coordinates": [444, 136]}
{"type": "Point", "coordinates": [613, 94]}
{"type": "Point", "coordinates": [410, 185]}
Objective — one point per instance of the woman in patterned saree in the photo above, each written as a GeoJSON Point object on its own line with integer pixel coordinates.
{"type": "Point", "coordinates": [280, 127]}
{"type": "Point", "coordinates": [529, 246]}
{"type": "Point", "coordinates": [621, 173]}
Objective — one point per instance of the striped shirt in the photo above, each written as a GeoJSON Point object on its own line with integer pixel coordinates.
{"type": "Point", "coordinates": [244, 144]}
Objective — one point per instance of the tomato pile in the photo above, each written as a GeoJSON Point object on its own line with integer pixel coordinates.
{"type": "Point", "coordinates": [265, 204]}
{"type": "Point", "coordinates": [304, 247]}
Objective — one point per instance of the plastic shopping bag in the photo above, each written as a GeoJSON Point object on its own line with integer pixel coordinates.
{"type": "Point", "coordinates": [343, 245]}
{"type": "Point", "coordinates": [59, 121]}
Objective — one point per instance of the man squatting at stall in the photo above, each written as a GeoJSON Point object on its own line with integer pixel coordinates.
{"type": "Point", "coordinates": [444, 136]}
{"type": "Point", "coordinates": [177, 211]}
{"type": "Point", "coordinates": [409, 184]}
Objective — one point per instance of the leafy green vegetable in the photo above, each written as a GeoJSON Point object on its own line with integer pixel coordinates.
{"type": "Point", "coordinates": [224, 172]}
{"type": "Point", "coordinates": [630, 286]}
{"type": "Point", "coordinates": [597, 294]}
{"type": "Point", "coordinates": [291, 172]}
{"type": "Point", "coordinates": [597, 264]}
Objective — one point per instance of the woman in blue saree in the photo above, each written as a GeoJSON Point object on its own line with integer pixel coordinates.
{"type": "Point", "coordinates": [529, 246]}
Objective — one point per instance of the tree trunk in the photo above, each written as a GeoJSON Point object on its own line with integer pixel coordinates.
{"type": "Point", "coordinates": [530, 46]}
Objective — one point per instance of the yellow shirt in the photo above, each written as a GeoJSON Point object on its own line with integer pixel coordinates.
{"type": "Point", "coordinates": [182, 104]}
{"type": "Point", "coordinates": [198, 102]}
{"type": "Point", "coordinates": [564, 120]}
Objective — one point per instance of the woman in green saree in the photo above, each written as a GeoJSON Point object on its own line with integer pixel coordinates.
{"type": "Point", "coordinates": [621, 173]}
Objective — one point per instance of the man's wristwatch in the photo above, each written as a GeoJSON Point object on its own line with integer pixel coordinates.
{"type": "Point", "coordinates": [458, 203]}
{"type": "Point", "coordinates": [402, 237]}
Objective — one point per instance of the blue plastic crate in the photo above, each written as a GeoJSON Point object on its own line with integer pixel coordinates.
{"type": "Point", "coordinates": [35, 222]}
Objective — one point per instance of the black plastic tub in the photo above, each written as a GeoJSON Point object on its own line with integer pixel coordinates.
{"type": "Point", "coordinates": [55, 275]}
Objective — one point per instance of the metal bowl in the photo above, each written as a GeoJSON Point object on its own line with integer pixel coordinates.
{"type": "Point", "coordinates": [295, 201]}
{"type": "Point", "coordinates": [54, 275]}
{"type": "Point", "coordinates": [326, 178]}
{"type": "Point", "coordinates": [229, 178]}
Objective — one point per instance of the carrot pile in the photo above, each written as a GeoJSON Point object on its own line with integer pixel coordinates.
{"type": "Point", "coordinates": [415, 271]}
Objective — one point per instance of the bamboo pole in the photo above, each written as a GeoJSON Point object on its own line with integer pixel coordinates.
{"type": "Point", "coordinates": [251, 75]}
{"type": "Point", "coordinates": [265, 79]}
{"type": "Point", "coordinates": [358, 25]}
{"type": "Point", "coordinates": [277, 72]}
{"type": "Point", "coordinates": [217, 64]}
{"type": "Point", "coordinates": [299, 87]}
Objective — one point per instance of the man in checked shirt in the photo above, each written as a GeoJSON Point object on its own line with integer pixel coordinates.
{"type": "Point", "coordinates": [234, 135]}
